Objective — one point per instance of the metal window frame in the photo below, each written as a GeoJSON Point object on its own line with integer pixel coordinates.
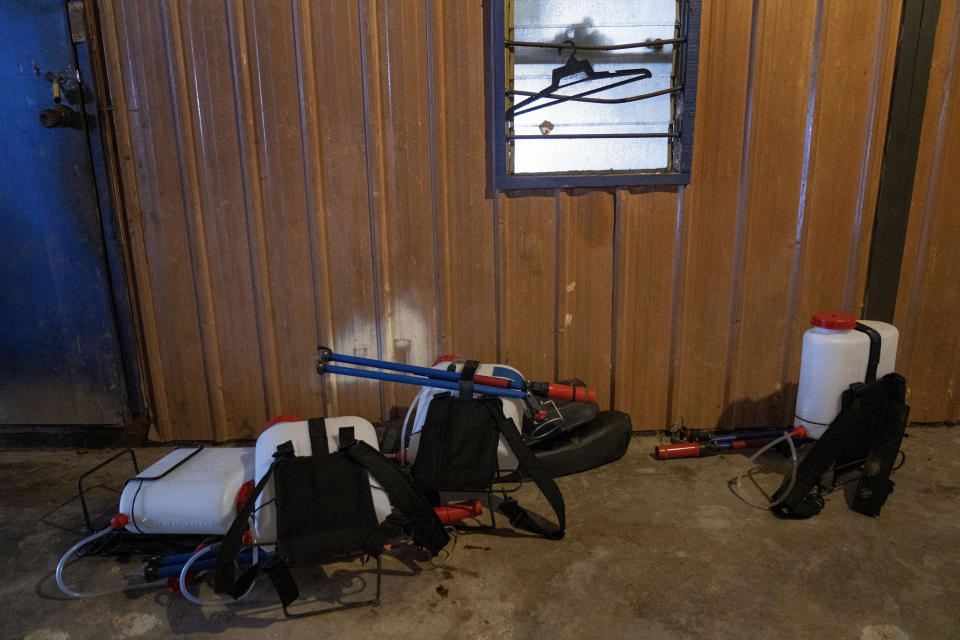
{"type": "Point", "coordinates": [682, 149]}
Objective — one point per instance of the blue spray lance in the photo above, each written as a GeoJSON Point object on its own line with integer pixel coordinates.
{"type": "Point", "coordinates": [450, 380]}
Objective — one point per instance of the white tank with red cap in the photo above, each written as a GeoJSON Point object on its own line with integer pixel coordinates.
{"type": "Point", "coordinates": [188, 491]}
{"type": "Point", "coordinates": [835, 355]}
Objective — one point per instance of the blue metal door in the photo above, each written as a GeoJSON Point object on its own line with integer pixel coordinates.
{"type": "Point", "coordinates": [60, 356]}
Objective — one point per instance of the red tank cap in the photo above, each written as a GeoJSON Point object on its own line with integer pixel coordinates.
{"type": "Point", "coordinates": [279, 419]}
{"type": "Point", "coordinates": [833, 320]}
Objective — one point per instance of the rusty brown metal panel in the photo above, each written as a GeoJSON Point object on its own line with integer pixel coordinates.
{"type": "Point", "coordinates": [528, 299]}
{"type": "Point", "coordinates": [284, 237]}
{"type": "Point", "coordinates": [222, 263]}
{"type": "Point", "coordinates": [885, 59]}
{"type": "Point", "coordinates": [253, 199]}
{"type": "Point", "coordinates": [398, 130]}
{"type": "Point", "coordinates": [159, 232]}
{"type": "Point", "coordinates": [273, 203]}
{"type": "Point", "coordinates": [336, 160]}
{"type": "Point", "coordinates": [856, 59]}
{"type": "Point", "coordinates": [712, 241]}
{"type": "Point", "coordinates": [585, 288]}
{"type": "Point", "coordinates": [774, 210]}
{"type": "Point", "coordinates": [465, 214]}
{"type": "Point", "coordinates": [190, 184]}
{"type": "Point", "coordinates": [120, 77]}
{"type": "Point", "coordinates": [646, 236]}
{"type": "Point", "coordinates": [929, 291]}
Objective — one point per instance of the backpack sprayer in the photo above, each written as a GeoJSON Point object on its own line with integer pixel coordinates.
{"type": "Point", "coordinates": [200, 510]}
{"type": "Point", "coordinates": [850, 405]}
{"type": "Point", "coordinates": [319, 489]}
{"type": "Point", "coordinates": [471, 425]}
{"type": "Point", "coordinates": [559, 420]}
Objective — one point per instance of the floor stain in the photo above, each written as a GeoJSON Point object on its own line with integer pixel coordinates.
{"type": "Point", "coordinates": [883, 632]}
{"type": "Point", "coordinates": [136, 624]}
{"type": "Point", "coordinates": [46, 634]}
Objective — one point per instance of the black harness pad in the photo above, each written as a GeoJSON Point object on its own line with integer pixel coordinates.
{"type": "Point", "coordinates": [324, 507]}
{"type": "Point", "coordinates": [458, 445]}
{"type": "Point", "coordinates": [872, 421]}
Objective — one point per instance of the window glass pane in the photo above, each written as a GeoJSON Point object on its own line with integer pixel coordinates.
{"type": "Point", "coordinates": [598, 23]}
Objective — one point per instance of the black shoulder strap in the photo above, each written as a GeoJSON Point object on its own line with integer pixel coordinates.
{"type": "Point", "coordinates": [875, 483]}
{"type": "Point", "coordinates": [427, 530]}
{"type": "Point", "coordinates": [224, 579]}
{"type": "Point", "coordinates": [875, 345]}
{"type": "Point", "coordinates": [801, 503]}
{"type": "Point", "coordinates": [533, 468]}
{"type": "Point", "coordinates": [864, 406]}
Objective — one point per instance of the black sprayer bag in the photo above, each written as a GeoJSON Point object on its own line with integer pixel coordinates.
{"type": "Point", "coordinates": [600, 441]}
{"type": "Point", "coordinates": [458, 452]}
{"type": "Point", "coordinates": [458, 446]}
{"type": "Point", "coordinates": [870, 425]}
{"type": "Point", "coordinates": [324, 507]}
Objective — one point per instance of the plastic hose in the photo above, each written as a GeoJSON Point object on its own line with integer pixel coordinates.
{"type": "Point", "coordinates": [116, 523]}
{"type": "Point", "coordinates": [403, 430]}
{"type": "Point", "coordinates": [438, 563]}
{"type": "Point", "coordinates": [219, 600]}
{"type": "Point", "coordinates": [418, 407]}
{"type": "Point", "coordinates": [793, 473]}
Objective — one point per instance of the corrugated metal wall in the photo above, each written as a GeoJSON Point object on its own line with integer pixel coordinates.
{"type": "Point", "coordinates": [928, 301]}
{"type": "Point", "coordinates": [304, 172]}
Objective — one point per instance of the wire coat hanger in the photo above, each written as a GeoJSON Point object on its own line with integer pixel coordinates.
{"type": "Point", "coordinates": [574, 66]}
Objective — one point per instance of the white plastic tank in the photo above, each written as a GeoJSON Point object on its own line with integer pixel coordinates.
{"type": "Point", "coordinates": [265, 516]}
{"type": "Point", "coordinates": [197, 497]}
{"type": "Point", "coordinates": [513, 408]}
{"type": "Point", "coordinates": [834, 356]}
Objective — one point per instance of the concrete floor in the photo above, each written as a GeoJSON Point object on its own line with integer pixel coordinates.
{"type": "Point", "coordinates": [653, 550]}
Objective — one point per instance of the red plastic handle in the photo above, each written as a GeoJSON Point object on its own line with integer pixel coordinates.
{"type": "Point", "coordinates": [490, 381]}
{"type": "Point", "coordinates": [458, 510]}
{"type": "Point", "coordinates": [572, 394]}
{"type": "Point", "coordinates": [681, 450]}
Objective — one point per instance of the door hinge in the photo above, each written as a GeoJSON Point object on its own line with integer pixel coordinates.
{"type": "Point", "coordinates": [78, 22]}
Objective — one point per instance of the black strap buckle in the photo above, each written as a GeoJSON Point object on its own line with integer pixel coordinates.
{"type": "Point", "coordinates": [347, 438]}
{"type": "Point", "coordinates": [284, 450]}
{"type": "Point", "coordinates": [466, 379]}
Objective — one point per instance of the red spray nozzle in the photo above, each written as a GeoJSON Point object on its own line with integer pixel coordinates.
{"type": "Point", "coordinates": [681, 450]}
{"type": "Point", "coordinates": [566, 392]}
{"type": "Point", "coordinates": [458, 510]}
{"type": "Point", "coordinates": [711, 447]}
{"type": "Point", "coordinates": [119, 521]}
{"type": "Point", "coordinates": [571, 393]}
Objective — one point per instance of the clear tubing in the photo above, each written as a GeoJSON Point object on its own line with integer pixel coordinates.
{"type": "Point", "coordinates": [76, 594]}
{"type": "Point", "coordinates": [403, 429]}
{"type": "Point", "coordinates": [222, 599]}
{"type": "Point", "coordinates": [793, 473]}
